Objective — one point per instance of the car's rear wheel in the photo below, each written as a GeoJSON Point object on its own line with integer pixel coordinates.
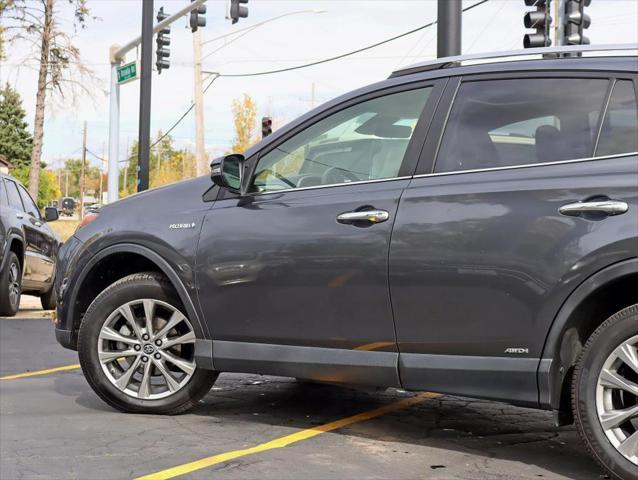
{"type": "Point", "coordinates": [10, 286]}
{"type": "Point", "coordinates": [137, 348]}
{"type": "Point", "coordinates": [48, 299]}
{"type": "Point", "coordinates": [605, 394]}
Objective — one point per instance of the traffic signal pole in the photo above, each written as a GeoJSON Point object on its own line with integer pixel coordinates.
{"type": "Point", "coordinates": [449, 27]}
{"type": "Point", "coordinates": [146, 76]}
{"type": "Point", "coordinates": [117, 55]}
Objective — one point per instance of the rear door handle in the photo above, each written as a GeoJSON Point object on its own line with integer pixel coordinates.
{"type": "Point", "coordinates": [609, 207]}
{"type": "Point", "coordinates": [370, 216]}
{"type": "Point", "coordinates": [20, 215]}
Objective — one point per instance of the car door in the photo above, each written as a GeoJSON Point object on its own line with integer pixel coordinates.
{"type": "Point", "coordinates": [292, 278]}
{"type": "Point", "coordinates": [490, 240]}
{"type": "Point", "coordinates": [40, 253]}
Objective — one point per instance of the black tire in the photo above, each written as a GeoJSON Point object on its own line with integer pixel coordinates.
{"type": "Point", "coordinates": [617, 329]}
{"type": "Point", "coordinates": [9, 307]}
{"type": "Point", "coordinates": [134, 287]}
{"type": "Point", "coordinates": [49, 299]}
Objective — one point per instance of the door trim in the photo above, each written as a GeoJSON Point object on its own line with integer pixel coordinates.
{"type": "Point", "coordinates": [505, 379]}
{"type": "Point", "coordinates": [333, 365]}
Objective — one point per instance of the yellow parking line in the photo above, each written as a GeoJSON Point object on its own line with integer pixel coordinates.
{"type": "Point", "coordinates": [288, 439]}
{"type": "Point", "coordinates": [41, 372]}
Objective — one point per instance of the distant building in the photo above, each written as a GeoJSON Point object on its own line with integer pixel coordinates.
{"type": "Point", "coordinates": [4, 164]}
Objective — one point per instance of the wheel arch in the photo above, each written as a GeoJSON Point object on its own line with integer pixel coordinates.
{"type": "Point", "coordinates": [588, 306]}
{"type": "Point", "coordinates": [115, 262]}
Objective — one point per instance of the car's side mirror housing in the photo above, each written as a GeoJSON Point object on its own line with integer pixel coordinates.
{"type": "Point", "coordinates": [228, 172]}
{"type": "Point", "coordinates": [51, 214]}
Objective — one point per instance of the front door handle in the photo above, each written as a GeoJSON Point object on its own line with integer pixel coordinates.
{"type": "Point", "coordinates": [608, 207]}
{"type": "Point", "coordinates": [20, 215]}
{"type": "Point", "coordinates": [370, 216]}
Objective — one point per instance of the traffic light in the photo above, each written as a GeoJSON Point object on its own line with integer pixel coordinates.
{"type": "Point", "coordinates": [197, 18]}
{"type": "Point", "coordinates": [576, 21]}
{"type": "Point", "coordinates": [162, 52]}
{"type": "Point", "coordinates": [266, 126]}
{"type": "Point", "coordinates": [238, 11]}
{"type": "Point", "coordinates": [540, 20]}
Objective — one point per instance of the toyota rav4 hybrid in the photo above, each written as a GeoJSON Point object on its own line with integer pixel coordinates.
{"type": "Point", "coordinates": [458, 228]}
{"type": "Point", "coordinates": [28, 248]}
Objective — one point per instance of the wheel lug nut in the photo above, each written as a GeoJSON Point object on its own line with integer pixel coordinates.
{"type": "Point", "coordinates": [158, 356]}
{"type": "Point", "coordinates": [145, 336]}
{"type": "Point", "coordinates": [158, 342]}
{"type": "Point", "coordinates": [137, 348]}
{"type": "Point", "coordinates": [145, 359]}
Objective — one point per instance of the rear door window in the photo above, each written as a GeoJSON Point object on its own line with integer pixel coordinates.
{"type": "Point", "coordinates": [503, 123]}
{"type": "Point", "coordinates": [14, 196]}
{"type": "Point", "coordinates": [3, 193]}
{"type": "Point", "coordinates": [620, 127]}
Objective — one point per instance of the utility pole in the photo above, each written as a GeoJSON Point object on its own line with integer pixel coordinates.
{"type": "Point", "coordinates": [66, 183]}
{"type": "Point", "coordinates": [144, 139]}
{"type": "Point", "coordinates": [82, 168]}
{"type": "Point", "coordinates": [559, 27]}
{"type": "Point", "coordinates": [449, 27]}
{"type": "Point", "coordinates": [101, 175]}
{"type": "Point", "coordinates": [200, 153]}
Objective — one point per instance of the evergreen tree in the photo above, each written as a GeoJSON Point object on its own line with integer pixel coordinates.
{"type": "Point", "coordinates": [16, 142]}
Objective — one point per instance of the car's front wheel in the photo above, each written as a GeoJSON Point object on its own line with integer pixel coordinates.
{"type": "Point", "coordinates": [137, 348]}
{"type": "Point", "coordinates": [605, 394]}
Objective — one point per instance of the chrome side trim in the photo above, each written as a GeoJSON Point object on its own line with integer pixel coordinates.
{"type": "Point", "coordinates": [514, 167]}
{"type": "Point", "coordinates": [317, 187]}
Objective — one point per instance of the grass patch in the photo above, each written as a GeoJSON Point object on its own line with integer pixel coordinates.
{"type": "Point", "coordinates": [64, 228]}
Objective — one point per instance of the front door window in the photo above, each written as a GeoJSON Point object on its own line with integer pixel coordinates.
{"type": "Point", "coordinates": [364, 142]}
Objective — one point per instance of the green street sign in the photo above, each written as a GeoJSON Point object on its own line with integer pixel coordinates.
{"type": "Point", "coordinates": [127, 72]}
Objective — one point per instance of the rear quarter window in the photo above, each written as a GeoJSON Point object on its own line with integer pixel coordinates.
{"type": "Point", "coordinates": [619, 133]}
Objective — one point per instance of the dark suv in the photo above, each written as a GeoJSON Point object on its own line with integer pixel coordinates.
{"type": "Point", "coordinates": [466, 229]}
{"type": "Point", "coordinates": [28, 248]}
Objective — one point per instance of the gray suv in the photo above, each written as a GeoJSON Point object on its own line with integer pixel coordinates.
{"type": "Point", "coordinates": [465, 229]}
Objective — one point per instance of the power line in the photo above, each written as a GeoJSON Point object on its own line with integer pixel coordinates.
{"type": "Point", "coordinates": [217, 75]}
{"type": "Point", "coordinates": [179, 120]}
{"type": "Point", "coordinates": [343, 55]}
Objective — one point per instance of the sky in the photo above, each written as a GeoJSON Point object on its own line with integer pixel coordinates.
{"type": "Point", "coordinates": [313, 30]}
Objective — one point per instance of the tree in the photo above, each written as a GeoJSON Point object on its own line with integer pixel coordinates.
{"type": "Point", "coordinates": [15, 140]}
{"type": "Point", "coordinates": [48, 189]}
{"type": "Point", "coordinates": [244, 117]}
{"type": "Point", "coordinates": [167, 165]}
{"type": "Point", "coordinates": [60, 66]}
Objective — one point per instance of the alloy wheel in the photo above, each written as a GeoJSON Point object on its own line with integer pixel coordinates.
{"type": "Point", "coordinates": [146, 349]}
{"type": "Point", "coordinates": [617, 398]}
{"type": "Point", "coordinates": [14, 284]}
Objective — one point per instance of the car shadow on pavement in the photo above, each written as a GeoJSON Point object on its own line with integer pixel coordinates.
{"type": "Point", "coordinates": [476, 427]}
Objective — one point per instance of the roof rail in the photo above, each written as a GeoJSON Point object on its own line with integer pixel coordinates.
{"type": "Point", "coordinates": [499, 56]}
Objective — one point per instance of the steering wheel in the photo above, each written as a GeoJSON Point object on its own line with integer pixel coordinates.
{"type": "Point", "coordinates": [279, 177]}
{"type": "Point", "coordinates": [338, 175]}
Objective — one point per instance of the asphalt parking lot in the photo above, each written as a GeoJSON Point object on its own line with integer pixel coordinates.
{"type": "Point", "coordinates": [53, 426]}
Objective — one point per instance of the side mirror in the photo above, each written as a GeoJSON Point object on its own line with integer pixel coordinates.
{"type": "Point", "coordinates": [51, 214]}
{"type": "Point", "coordinates": [227, 172]}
